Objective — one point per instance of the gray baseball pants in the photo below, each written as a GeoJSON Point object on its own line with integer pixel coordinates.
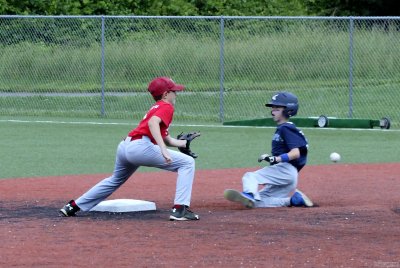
{"type": "Point", "coordinates": [129, 157]}
{"type": "Point", "coordinates": [279, 182]}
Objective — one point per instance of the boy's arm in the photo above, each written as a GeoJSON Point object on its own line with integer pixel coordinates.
{"type": "Point", "coordinates": [174, 142]}
{"type": "Point", "coordinates": [291, 155]}
{"type": "Point", "coordinates": [154, 126]}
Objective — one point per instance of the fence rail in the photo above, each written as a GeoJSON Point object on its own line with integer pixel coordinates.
{"type": "Point", "coordinates": [346, 67]}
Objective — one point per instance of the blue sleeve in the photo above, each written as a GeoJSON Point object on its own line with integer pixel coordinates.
{"type": "Point", "coordinates": [293, 137]}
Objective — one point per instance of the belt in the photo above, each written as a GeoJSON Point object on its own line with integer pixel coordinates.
{"type": "Point", "coordinates": [132, 138]}
{"type": "Point", "coordinates": [135, 138]}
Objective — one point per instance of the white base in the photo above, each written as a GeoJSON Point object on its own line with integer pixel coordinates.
{"type": "Point", "coordinates": [124, 205]}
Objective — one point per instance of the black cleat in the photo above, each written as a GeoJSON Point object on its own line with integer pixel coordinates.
{"type": "Point", "coordinates": [70, 209]}
{"type": "Point", "coordinates": [183, 213]}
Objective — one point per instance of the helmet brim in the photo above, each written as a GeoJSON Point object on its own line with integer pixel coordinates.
{"type": "Point", "coordinates": [275, 104]}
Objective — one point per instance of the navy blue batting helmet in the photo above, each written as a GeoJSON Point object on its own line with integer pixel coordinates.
{"type": "Point", "coordinates": [287, 100]}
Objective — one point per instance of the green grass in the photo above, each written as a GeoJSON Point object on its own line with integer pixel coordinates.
{"type": "Point", "coordinates": [31, 149]}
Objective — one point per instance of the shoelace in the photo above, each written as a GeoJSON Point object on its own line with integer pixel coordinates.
{"type": "Point", "coordinates": [188, 209]}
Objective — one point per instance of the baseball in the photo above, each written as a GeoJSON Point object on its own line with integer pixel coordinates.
{"type": "Point", "coordinates": [335, 157]}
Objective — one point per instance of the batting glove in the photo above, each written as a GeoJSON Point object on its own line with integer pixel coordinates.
{"type": "Point", "coordinates": [266, 157]}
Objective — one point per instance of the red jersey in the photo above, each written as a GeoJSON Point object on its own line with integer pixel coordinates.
{"type": "Point", "coordinates": [161, 109]}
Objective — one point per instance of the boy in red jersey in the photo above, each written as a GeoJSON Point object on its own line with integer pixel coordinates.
{"type": "Point", "coordinates": [146, 145]}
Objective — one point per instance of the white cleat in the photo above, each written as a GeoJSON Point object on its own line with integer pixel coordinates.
{"type": "Point", "coordinates": [243, 198]}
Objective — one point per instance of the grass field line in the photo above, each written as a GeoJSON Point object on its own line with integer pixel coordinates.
{"type": "Point", "coordinates": [182, 125]}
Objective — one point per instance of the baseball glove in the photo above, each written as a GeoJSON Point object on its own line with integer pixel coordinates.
{"type": "Point", "coordinates": [188, 137]}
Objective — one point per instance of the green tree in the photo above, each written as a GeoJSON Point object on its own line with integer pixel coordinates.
{"type": "Point", "coordinates": [153, 7]}
{"type": "Point", "coordinates": [352, 7]}
{"type": "Point", "coordinates": [250, 8]}
{"type": "Point", "coordinates": [202, 7]}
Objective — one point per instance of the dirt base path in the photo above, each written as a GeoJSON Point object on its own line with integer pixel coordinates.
{"type": "Point", "coordinates": [357, 223]}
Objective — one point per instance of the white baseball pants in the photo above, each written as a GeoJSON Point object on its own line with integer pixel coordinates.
{"type": "Point", "coordinates": [129, 157]}
{"type": "Point", "coordinates": [279, 182]}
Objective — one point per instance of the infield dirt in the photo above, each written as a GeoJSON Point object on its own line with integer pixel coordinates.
{"type": "Point", "coordinates": [356, 223]}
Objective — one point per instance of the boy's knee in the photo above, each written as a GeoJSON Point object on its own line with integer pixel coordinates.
{"type": "Point", "coordinates": [247, 176]}
{"type": "Point", "coordinates": [189, 161]}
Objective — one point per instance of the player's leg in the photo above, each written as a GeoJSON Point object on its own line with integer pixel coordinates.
{"type": "Point", "coordinates": [280, 181]}
{"type": "Point", "coordinates": [123, 169]}
{"type": "Point", "coordinates": [271, 197]}
{"type": "Point", "coordinates": [249, 196]}
{"type": "Point", "coordinates": [281, 188]}
{"type": "Point", "coordinates": [251, 182]}
{"type": "Point", "coordinates": [184, 165]}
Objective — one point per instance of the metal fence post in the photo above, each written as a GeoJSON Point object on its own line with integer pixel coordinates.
{"type": "Point", "coordinates": [222, 71]}
{"type": "Point", "coordinates": [102, 65]}
{"type": "Point", "coordinates": [353, 59]}
{"type": "Point", "coordinates": [351, 67]}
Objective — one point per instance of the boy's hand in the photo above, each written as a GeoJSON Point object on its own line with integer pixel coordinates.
{"type": "Point", "coordinates": [268, 158]}
{"type": "Point", "coordinates": [166, 156]}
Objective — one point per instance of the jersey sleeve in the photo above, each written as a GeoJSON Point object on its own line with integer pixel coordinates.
{"type": "Point", "coordinates": [293, 136]}
{"type": "Point", "coordinates": [165, 113]}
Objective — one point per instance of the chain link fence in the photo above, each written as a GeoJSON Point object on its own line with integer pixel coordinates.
{"type": "Point", "coordinates": [99, 66]}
